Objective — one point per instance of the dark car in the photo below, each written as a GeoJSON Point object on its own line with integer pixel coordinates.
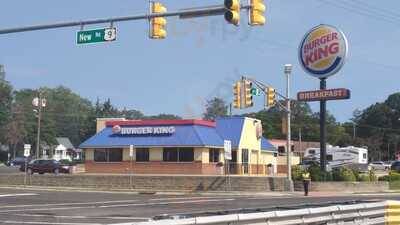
{"type": "Point", "coordinates": [17, 161]}
{"type": "Point", "coordinates": [395, 166]}
{"type": "Point", "coordinates": [42, 166]}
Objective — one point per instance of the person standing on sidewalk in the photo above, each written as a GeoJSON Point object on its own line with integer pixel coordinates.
{"type": "Point", "coordinates": [306, 181]}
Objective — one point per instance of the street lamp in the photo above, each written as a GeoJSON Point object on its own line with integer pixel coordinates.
{"type": "Point", "coordinates": [288, 71]}
{"type": "Point", "coordinates": [40, 103]}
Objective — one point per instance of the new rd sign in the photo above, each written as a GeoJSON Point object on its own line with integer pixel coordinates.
{"type": "Point", "coordinates": [98, 35]}
{"type": "Point", "coordinates": [319, 95]}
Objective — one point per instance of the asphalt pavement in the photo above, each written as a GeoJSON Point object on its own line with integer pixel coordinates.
{"type": "Point", "coordinates": [9, 169]}
{"type": "Point", "coordinates": [30, 206]}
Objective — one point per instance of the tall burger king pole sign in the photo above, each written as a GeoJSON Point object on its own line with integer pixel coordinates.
{"type": "Point", "coordinates": [322, 53]}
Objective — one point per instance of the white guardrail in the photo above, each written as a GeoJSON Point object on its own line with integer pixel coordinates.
{"type": "Point", "coordinates": [362, 213]}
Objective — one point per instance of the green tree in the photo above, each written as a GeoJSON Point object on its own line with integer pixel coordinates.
{"type": "Point", "coordinates": [214, 108]}
{"type": "Point", "coordinates": [6, 98]}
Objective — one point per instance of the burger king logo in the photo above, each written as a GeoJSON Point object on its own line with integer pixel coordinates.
{"type": "Point", "coordinates": [116, 129]}
{"type": "Point", "coordinates": [323, 51]}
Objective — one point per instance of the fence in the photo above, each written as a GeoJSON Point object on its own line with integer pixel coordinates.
{"type": "Point", "coordinates": [368, 213]}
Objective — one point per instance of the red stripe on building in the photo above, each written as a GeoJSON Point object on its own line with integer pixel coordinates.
{"type": "Point", "coordinates": [160, 122]}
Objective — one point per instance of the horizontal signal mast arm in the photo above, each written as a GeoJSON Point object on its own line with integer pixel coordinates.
{"type": "Point", "coordinates": [184, 13]}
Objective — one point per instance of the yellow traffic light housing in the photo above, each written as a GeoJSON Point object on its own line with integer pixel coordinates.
{"type": "Point", "coordinates": [237, 98]}
{"type": "Point", "coordinates": [157, 24]}
{"type": "Point", "coordinates": [248, 95]}
{"type": "Point", "coordinates": [256, 13]}
{"type": "Point", "coordinates": [270, 101]}
{"type": "Point", "coordinates": [232, 16]}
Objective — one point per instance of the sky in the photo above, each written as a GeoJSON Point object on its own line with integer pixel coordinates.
{"type": "Point", "coordinates": [202, 57]}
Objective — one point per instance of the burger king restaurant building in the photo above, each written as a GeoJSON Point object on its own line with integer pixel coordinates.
{"type": "Point", "coordinates": [179, 147]}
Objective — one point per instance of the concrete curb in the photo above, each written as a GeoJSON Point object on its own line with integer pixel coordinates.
{"type": "Point", "coordinates": [147, 192]}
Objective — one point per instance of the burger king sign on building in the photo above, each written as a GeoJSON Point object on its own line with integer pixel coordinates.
{"type": "Point", "coordinates": [323, 51]}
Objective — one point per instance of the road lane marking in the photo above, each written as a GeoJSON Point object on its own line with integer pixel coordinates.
{"type": "Point", "coordinates": [24, 222]}
{"type": "Point", "coordinates": [118, 206]}
{"type": "Point", "coordinates": [168, 203]}
{"type": "Point", "coordinates": [17, 195]}
{"type": "Point", "coordinates": [95, 203]}
{"type": "Point", "coordinates": [66, 204]}
{"type": "Point", "coordinates": [86, 217]}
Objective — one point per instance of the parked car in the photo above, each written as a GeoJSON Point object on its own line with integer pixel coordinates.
{"type": "Point", "coordinates": [42, 166]}
{"type": "Point", "coordinates": [17, 161]}
{"type": "Point", "coordinates": [379, 165]}
{"type": "Point", "coordinates": [396, 166]}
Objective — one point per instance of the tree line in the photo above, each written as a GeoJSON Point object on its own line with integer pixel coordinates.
{"type": "Point", "coordinates": [376, 127]}
{"type": "Point", "coordinates": [66, 114]}
{"type": "Point", "coordinates": [69, 115]}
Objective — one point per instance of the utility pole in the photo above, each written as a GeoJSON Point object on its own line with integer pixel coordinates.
{"type": "Point", "coordinates": [38, 128]}
{"type": "Point", "coordinates": [40, 103]}
{"type": "Point", "coordinates": [354, 131]}
{"type": "Point", "coordinates": [300, 144]}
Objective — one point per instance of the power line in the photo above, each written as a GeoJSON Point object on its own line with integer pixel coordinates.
{"type": "Point", "coordinates": [362, 12]}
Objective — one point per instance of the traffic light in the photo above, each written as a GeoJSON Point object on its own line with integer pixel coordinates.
{"type": "Point", "coordinates": [237, 99]}
{"type": "Point", "coordinates": [248, 95]}
{"type": "Point", "coordinates": [157, 24]}
{"type": "Point", "coordinates": [233, 13]}
{"type": "Point", "coordinates": [270, 101]}
{"type": "Point", "coordinates": [256, 14]}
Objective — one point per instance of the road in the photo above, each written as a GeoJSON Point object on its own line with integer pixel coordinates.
{"type": "Point", "coordinates": [8, 170]}
{"type": "Point", "coordinates": [19, 206]}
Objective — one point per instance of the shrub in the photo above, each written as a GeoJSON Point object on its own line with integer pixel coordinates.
{"type": "Point", "coordinates": [384, 178]}
{"type": "Point", "coordinates": [364, 178]}
{"type": "Point", "coordinates": [372, 176]}
{"type": "Point", "coordinates": [66, 162]}
{"type": "Point", "coordinates": [343, 174]}
{"type": "Point", "coordinates": [318, 175]}
{"type": "Point", "coordinates": [394, 176]}
{"type": "Point", "coordinates": [296, 173]}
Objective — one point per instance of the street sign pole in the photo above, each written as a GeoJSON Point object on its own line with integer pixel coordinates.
{"type": "Point", "coordinates": [227, 157]}
{"type": "Point", "coordinates": [131, 171]}
{"type": "Point", "coordinates": [27, 149]}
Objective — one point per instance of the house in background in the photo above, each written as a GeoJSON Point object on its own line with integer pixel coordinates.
{"type": "Point", "coordinates": [65, 150]}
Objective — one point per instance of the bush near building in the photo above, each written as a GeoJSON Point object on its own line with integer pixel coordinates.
{"type": "Point", "coordinates": [344, 174]}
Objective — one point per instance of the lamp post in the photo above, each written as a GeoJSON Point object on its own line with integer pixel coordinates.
{"type": "Point", "coordinates": [288, 71]}
{"type": "Point", "coordinates": [40, 103]}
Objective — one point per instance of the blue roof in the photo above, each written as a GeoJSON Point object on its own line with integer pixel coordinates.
{"type": "Point", "coordinates": [266, 145]}
{"type": "Point", "coordinates": [185, 135]}
{"type": "Point", "coordinates": [230, 128]}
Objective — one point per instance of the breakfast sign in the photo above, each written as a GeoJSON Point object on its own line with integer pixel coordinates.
{"type": "Point", "coordinates": [322, 53]}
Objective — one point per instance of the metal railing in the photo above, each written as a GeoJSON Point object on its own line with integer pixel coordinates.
{"type": "Point", "coordinates": [366, 213]}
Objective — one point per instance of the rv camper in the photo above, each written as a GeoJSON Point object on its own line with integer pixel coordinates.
{"type": "Point", "coordinates": [339, 156]}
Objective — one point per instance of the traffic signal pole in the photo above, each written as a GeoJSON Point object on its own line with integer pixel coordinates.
{"type": "Point", "coordinates": [182, 14]}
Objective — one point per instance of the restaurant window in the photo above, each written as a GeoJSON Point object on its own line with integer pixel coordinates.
{"type": "Point", "coordinates": [213, 155]}
{"type": "Point", "coordinates": [178, 155]}
{"type": "Point", "coordinates": [142, 155]}
{"type": "Point", "coordinates": [170, 154]}
{"type": "Point", "coordinates": [108, 155]}
{"type": "Point", "coordinates": [186, 155]}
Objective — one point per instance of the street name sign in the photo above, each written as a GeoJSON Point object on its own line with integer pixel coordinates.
{"type": "Point", "coordinates": [319, 95]}
{"type": "Point", "coordinates": [95, 36]}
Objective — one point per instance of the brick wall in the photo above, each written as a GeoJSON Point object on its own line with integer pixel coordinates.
{"type": "Point", "coordinates": [151, 183]}
{"type": "Point", "coordinates": [344, 186]}
{"type": "Point", "coordinates": [153, 167]}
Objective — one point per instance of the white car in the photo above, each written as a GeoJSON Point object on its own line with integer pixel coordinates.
{"type": "Point", "coordinates": [379, 165]}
